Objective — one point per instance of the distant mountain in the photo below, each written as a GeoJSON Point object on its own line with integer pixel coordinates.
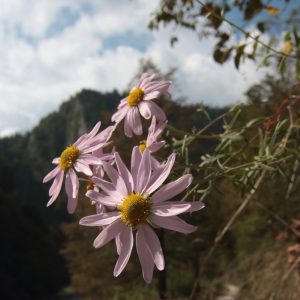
{"type": "Point", "coordinates": [31, 265]}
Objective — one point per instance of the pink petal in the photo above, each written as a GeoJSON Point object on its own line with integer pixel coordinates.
{"type": "Point", "coordinates": [128, 124]}
{"type": "Point", "coordinates": [136, 121]}
{"type": "Point", "coordinates": [116, 179]}
{"type": "Point", "coordinates": [57, 182]}
{"type": "Point", "coordinates": [124, 172]}
{"type": "Point", "coordinates": [145, 78]}
{"type": "Point", "coordinates": [136, 157]}
{"type": "Point", "coordinates": [155, 164]}
{"type": "Point", "coordinates": [87, 136]}
{"type": "Point", "coordinates": [152, 126]}
{"type": "Point", "coordinates": [52, 199]}
{"type": "Point", "coordinates": [105, 134]}
{"type": "Point", "coordinates": [159, 86]}
{"type": "Point", "coordinates": [109, 233]}
{"type": "Point", "coordinates": [145, 110]}
{"type": "Point", "coordinates": [120, 114]}
{"type": "Point", "coordinates": [125, 250]}
{"type": "Point", "coordinates": [80, 140]}
{"type": "Point", "coordinates": [144, 172]}
{"type": "Point", "coordinates": [197, 205]}
{"type": "Point", "coordinates": [172, 189]}
{"type": "Point", "coordinates": [153, 245]}
{"type": "Point", "coordinates": [95, 129]}
{"type": "Point", "coordinates": [100, 219]}
{"type": "Point", "coordinates": [151, 95]}
{"type": "Point", "coordinates": [157, 169]}
{"type": "Point", "coordinates": [173, 223]}
{"type": "Point", "coordinates": [123, 102]}
{"type": "Point", "coordinates": [145, 257]}
{"type": "Point", "coordinates": [164, 173]}
{"type": "Point", "coordinates": [105, 200]}
{"type": "Point", "coordinates": [56, 190]}
{"type": "Point", "coordinates": [93, 147]}
{"type": "Point", "coordinates": [156, 111]}
{"type": "Point", "coordinates": [72, 201]}
{"type": "Point", "coordinates": [108, 188]}
{"type": "Point", "coordinates": [90, 159]}
{"type": "Point", "coordinates": [94, 143]}
{"type": "Point", "coordinates": [168, 209]}
{"type": "Point", "coordinates": [81, 167]}
{"type": "Point", "coordinates": [75, 182]}
{"type": "Point", "coordinates": [118, 242]}
{"type": "Point", "coordinates": [100, 208]}
{"type": "Point", "coordinates": [51, 174]}
{"type": "Point", "coordinates": [156, 146]}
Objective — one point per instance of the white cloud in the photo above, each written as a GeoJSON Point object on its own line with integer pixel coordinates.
{"type": "Point", "coordinates": [39, 71]}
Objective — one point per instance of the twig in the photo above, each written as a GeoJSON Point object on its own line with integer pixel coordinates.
{"type": "Point", "coordinates": [285, 277]}
{"type": "Point", "coordinates": [247, 34]}
{"type": "Point", "coordinates": [279, 219]}
{"type": "Point", "coordinates": [220, 236]}
{"type": "Point", "coordinates": [292, 180]}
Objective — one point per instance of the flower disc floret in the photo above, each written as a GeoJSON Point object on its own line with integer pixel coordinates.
{"type": "Point", "coordinates": [68, 157]}
{"type": "Point", "coordinates": [135, 209]}
{"type": "Point", "coordinates": [143, 145]}
{"type": "Point", "coordinates": [135, 96]}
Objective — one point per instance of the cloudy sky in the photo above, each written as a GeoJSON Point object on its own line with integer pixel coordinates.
{"type": "Point", "coordinates": [51, 49]}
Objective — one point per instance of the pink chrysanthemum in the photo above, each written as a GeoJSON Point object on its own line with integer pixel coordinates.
{"type": "Point", "coordinates": [139, 102]}
{"type": "Point", "coordinates": [139, 202]}
{"type": "Point", "coordinates": [77, 157]}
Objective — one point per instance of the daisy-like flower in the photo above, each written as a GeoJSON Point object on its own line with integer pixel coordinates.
{"type": "Point", "coordinates": [151, 143]}
{"type": "Point", "coordinates": [76, 157]}
{"type": "Point", "coordinates": [139, 102]}
{"type": "Point", "coordinates": [140, 203]}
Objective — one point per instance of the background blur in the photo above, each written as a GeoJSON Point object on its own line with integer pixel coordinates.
{"type": "Point", "coordinates": [65, 65]}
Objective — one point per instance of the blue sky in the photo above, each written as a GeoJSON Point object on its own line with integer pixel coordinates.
{"type": "Point", "coordinates": [49, 50]}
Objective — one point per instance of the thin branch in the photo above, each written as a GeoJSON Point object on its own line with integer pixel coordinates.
{"type": "Point", "coordinates": [279, 219]}
{"type": "Point", "coordinates": [247, 34]}
{"type": "Point", "coordinates": [220, 236]}
{"type": "Point", "coordinates": [285, 277]}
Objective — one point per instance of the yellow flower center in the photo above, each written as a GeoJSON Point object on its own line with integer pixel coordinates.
{"type": "Point", "coordinates": [135, 96]}
{"type": "Point", "coordinates": [143, 145]}
{"type": "Point", "coordinates": [135, 209]}
{"type": "Point", "coordinates": [68, 157]}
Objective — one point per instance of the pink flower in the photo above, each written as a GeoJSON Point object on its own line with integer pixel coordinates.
{"type": "Point", "coordinates": [76, 157]}
{"type": "Point", "coordinates": [139, 201]}
{"type": "Point", "coordinates": [139, 102]}
{"type": "Point", "coordinates": [152, 144]}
